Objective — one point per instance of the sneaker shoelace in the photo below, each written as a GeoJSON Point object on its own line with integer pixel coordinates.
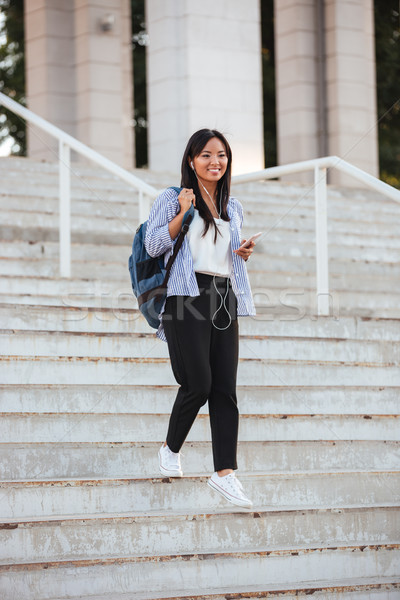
{"type": "Point", "coordinates": [234, 481]}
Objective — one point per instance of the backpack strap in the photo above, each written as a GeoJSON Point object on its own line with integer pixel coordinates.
{"type": "Point", "coordinates": [187, 219]}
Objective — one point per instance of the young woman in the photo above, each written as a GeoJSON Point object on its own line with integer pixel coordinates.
{"type": "Point", "coordinates": [207, 289]}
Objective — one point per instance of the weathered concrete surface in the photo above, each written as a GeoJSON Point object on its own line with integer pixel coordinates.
{"type": "Point", "coordinates": [348, 566]}
{"type": "Point", "coordinates": [93, 460]}
{"type": "Point", "coordinates": [89, 537]}
{"type": "Point", "coordinates": [38, 498]}
{"type": "Point", "coordinates": [85, 513]}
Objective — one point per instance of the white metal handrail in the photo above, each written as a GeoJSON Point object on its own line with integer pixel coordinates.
{"type": "Point", "coordinates": [67, 143]}
{"type": "Point", "coordinates": [318, 165]}
{"type": "Point", "coordinates": [322, 163]}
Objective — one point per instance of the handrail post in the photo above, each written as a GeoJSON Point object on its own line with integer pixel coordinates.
{"type": "Point", "coordinates": [142, 208]}
{"type": "Point", "coordinates": [64, 209]}
{"type": "Point", "coordinates": [321, 241]}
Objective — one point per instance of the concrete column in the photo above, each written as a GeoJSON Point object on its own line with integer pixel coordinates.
{"type": "Point", "coordinates": [351, 85]}
{"type": "Point", "coordinates": [204, 70]}
{"type": "Point", "coordinates": [50, 82]}
{"type": "Point", "coordinates": [296, 82]}
{"type": "Point", "coordinates": [128, 142]}
{"type": "Point", "coordinates": [104, 78]}
{"type": "Point", "coordinates": [342, 93]}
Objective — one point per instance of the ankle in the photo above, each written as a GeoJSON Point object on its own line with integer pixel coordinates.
{"type": "Point", "coordinates": [224, 472]}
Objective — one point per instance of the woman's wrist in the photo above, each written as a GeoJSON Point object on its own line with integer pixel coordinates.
{"type": "Point", "coordinates": [175, 225]}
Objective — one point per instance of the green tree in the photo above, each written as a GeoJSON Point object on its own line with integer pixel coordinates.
{"type": "Point", "coordinates": [12, 72]}
{"type": "Point", "coordinates": [387, 46]}
{"type": "Point", "coordinates": [139, 43]}
{"type": "Point", "coordinates": [268, 69]}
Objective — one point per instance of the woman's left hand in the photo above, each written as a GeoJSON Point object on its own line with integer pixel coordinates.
{"type": "Point", "coordinates": [245, 252]}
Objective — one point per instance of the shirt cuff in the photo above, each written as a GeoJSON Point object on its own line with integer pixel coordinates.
{"type": "Point", "coordinates": [165, 236]}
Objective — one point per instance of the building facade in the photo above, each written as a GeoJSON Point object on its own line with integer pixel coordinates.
{"type": "Point", "coordinates": [204, 70]}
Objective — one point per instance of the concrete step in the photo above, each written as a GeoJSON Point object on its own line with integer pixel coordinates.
{"type": "Point", "coordinates": [288, 291]}
{"type": "Point", "coordinates": [338, 209]}
{"type": "Point", "coordinates": [278, 304]}
{"type": "Point", "coordinates": [108, 320]}
{"type": "Point", "coordinates": [178, 532]}
{"type": "Point", "coordinates": [141, 371]}
{"type": "Point", "coordinates": [116, 204]}
{"type": "Point", "coordinates": [365, 589]}
{"type": "Point", "coordinates": [48, 223]}
{"type": "Point", "coordinates": [340, 571]}
{"type": "Point", "coordinates": [36, 180]}
{"type": "Point", "coordinates": [255, 192]}
{"type": "Point", "coordinates": [296, 236]}
{"type": "Point", "coordinates": [97, 427]}
{"type": "Point", "coordinates": [302, 205]}
{"type": "Point", "coordinates": [258, 193]}
{"type": "Point", "coordinates": [296, 491]}
{"type": "Point", "coordinates": [33, 202]}
{"type": "Point", "coordinates": [16, 167]}
{"type": "Point", "coordinates": [336, 225]}
{"type": "Point", "coordinates": [299, 270]}
{"type": "Point", "coordinates": [67, 291]}
{"type": "Point", "coordinates": [44, 192]}
{"type": "Point", "coordinates": [329, 573]}
{"type": "Point", "coordinates": [339, 255]}
{"type": "Point", "coordinates": [97, 229]}
{"type": "Point", "coordinates": [82, 180]}
{"type": "Point", "coordinates": [12, 169]}
{"type": "Point", "coordinates": [43, 343]}
{"type": "Point", "coordinates": [260, 190]}
{"type": "Point", "coordinates": [97, 201]}
{"type": "Point", "coordinates": [82, 185]}
{"type": "Point", "coordinates": [125, 302]}
{"type": "Point", "coordinates": [154, 399]}
{"type": "Point", "coordinates": [96, 460]}
{"type": "Point", "coordinates": [262, 282]}
{"type": "Point", "coordinates": [303, 264]}
{"type": "Point", "coordinates": [271, 221]}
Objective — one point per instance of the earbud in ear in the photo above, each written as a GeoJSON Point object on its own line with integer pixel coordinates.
{"type": "Point", "coordinates": [192, 165]}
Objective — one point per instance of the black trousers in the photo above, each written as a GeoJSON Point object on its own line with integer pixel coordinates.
{"type": "Point", "coordinates": [204, 361]}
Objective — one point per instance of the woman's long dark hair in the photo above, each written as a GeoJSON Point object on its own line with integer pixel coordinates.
{"type": "Point", "coordinates": [189, 180]}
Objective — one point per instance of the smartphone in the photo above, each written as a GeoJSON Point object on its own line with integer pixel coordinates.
{"type": "Point", "coordinates": [253, 238]}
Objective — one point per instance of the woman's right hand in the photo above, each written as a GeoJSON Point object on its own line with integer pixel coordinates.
{"type": "Point", "coordinates": [186, 198]}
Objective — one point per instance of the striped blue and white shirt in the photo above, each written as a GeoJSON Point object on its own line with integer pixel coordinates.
{"type": "Point", "coordinates": [182, 280]}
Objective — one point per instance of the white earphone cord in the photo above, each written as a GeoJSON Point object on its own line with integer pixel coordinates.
{"type": "Point", "coordinates": [223, 299]}
{"type": "Point", "coordinates": [222, 302]}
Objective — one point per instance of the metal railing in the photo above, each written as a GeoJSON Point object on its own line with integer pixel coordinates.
{"type": "Point", "coordinates": [66, 143]}
{"type": "Point", "coordinates": [318, 165]}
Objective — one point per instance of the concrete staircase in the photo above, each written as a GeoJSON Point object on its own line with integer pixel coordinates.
{"type": "Point", "coordinates": [86, 391]}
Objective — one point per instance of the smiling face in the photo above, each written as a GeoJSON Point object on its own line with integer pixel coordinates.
{"type": "Point", "coordinates": [212, 162]}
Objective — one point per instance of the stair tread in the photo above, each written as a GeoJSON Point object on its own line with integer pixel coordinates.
{"type": "Point", "coordinates": [191, 514]}
{"type": "Point", "coordinates": [166, 360]}
{"type": "Point", "coordinates": [257, 591]}
{"type": "Point", "coordinates": [199, 477]}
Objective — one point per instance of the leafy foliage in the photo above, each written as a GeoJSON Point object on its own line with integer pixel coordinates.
{"type": "Point", "coordinates": [268, 70]}
{"type": "Point", "coordinates": [387, 46]}
{"type": "Point", "coordinates": [139, 42]}
{"type": "Point", "coordinates": [12, 72]}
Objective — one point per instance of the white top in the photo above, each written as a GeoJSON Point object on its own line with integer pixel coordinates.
{"type": "Point", "coordinates": [214, 259]}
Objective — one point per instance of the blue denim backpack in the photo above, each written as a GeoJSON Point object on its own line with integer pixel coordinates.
{"type": "Point", "coordinates": [149, 276]}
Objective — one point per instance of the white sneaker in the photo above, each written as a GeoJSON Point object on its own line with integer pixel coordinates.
{"type": "Point", "coordinates": [170, 462]}
{"type": "Point", "coordinates": [230, 488]}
